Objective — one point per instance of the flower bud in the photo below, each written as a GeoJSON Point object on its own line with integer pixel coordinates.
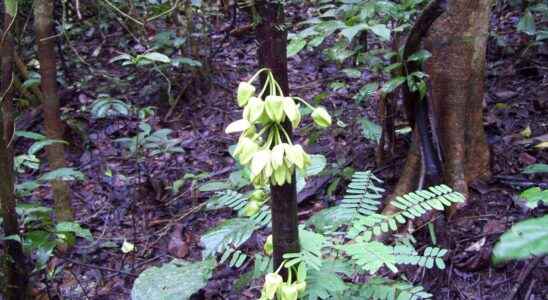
{"type": "Point", "coordinates": [254, 109]}
{"type": "Point", "coordinates": [288, 292]}
{"type": "Point", "coordinates": [301, 287]}
{"type": "Point", "coordinates": [274, 108]}
{"type": "Point", "coordinates": [272, 282]}
{"type": "Point", "coordinates": [258, 195]}
{"type": "Point", "coordinates": [278, 156]}
{"type": "Point", "coordinates": [296, 156]}
{"type": "Point", "coordinates": [292, 111]}
{"type": "Point", "coordinates": [245, 150]}
{"type": "Point", "coordinates": [321, 117]}
{"type": "Point", "coordinates": [268, 246]}
{"type": "Point", "coordinates": [279, 176]}
{"type": "Point", "coordinates": [251, 208]}
{"type": "Point", "coordinates": [260, 161]}
{"type": "Point", "coordinates": [245, 91]}
{"type": "Point", "coordinates": [237, 126]}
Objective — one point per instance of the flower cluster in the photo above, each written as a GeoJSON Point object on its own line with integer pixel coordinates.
{"type": "Point", "coordinates": [290, 290]}
{"type": "Point", "coordinates": [269, 153]}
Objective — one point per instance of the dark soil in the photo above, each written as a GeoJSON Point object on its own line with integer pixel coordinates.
{"type": "Point", "coordinates": [125, 198]}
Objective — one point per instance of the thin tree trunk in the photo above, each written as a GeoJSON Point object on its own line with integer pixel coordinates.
{"type": "Point", "coordinates": [43, 18]}
{"type": "Point", "coordinates": [272, 38]}
{"type": "Point", "coordinates": [15, 266]}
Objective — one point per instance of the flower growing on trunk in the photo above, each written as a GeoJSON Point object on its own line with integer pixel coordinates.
{"type": "Point", "coordinates": [270, 153]}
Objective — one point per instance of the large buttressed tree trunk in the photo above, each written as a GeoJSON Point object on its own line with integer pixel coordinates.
{"type": "Point", "coordinates": [458, 42]}
{"type": "Point", "coordinates": [272, 54]}
{"type": "Point", "coordinates": [14, 265]}
{"type": "Point", "coordinates": [43, 18]}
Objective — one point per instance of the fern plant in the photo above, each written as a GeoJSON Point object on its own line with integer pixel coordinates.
{"type": "Point", "coordinates": [335, 258]}
{"type": "Point", "coordinates": [337, 244]}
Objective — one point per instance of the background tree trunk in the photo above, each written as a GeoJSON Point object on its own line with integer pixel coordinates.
{"type": "Point", "coordinates": [457, 41]}
{"type": "Point", "coordinates": [272, 53]}
{"type": "Point", "coordinates": [43, 18]}
{"type": "Point", "coordinates": [14, 267]}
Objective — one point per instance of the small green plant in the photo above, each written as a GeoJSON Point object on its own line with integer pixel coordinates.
{"type": "Point", "coordinates": [528, 238]}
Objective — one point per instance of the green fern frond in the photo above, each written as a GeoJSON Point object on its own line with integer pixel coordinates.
{"type": "Point", "coordinates": [430, 257]}
{"type": "Point", "coordinates": [226, 237]}
{"type": "Point", "coordinates": [237, 202]}
{"type": "Point", "coordinates": [411, 206]}
{"type": "Point", "coordinates": [371, 256]}
{"type": "Point", "coordinates": [228, 198]}
{"type": "Point", "coordinates": [379, 288]}
{"type": "Point", "coordinates": [312, 245]}
{"type": "Point", "coordinates": [362, 196]}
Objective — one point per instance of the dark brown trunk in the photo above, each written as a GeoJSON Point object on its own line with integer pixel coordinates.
{"type": "Point", "coordinates": [457, 41]}
{"type": "Point", "coordinates": [43, 18]}
{"type": "Point", "coordinates": [14, 267]}
{"type": "Point", "coordinates": [272, 38]}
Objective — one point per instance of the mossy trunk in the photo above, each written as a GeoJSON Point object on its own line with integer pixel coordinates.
{"type": "Point", "coordinates": [14, 264]}
{"type": "Point", "coordinates": [272, 38]}
{"type": "Point", "coordinates": [43, 19]}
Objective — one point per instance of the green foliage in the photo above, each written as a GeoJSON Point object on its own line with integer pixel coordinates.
{"type": "Point", "coordinates": [382, 289]}
{"type": "Point", "coordinates": [106, 107]}
{"type": "Point", "coordinates": [412, 205]}
{"type": "Point", "coordinates": [536, 168]}
{"type": "Point", "coordinates": [225, 239]}
{"type": "Point", "coordinates": [524, 240]}
{"type": "Point", "coordinates": [152, 142]}
{"type": "Point", "coordinates": [176, 280]}
{"type": "Point", "coordinates": [529, 25]}
{"type": "Point", "coordinates": [533, 196]}
{"type": "Point", "coordinates": [39, 236]}
{"type": "Point", "coordinates": [362, 196]}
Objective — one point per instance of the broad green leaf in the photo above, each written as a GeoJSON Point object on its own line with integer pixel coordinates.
{"type": "Point", "coordinates": [186, 61]}
{"type": "Point", "coordinates": [11, 7]}
{"type": "Point", "coordinates": [536, 168]}
{"type": "Point", "coordinates": [317, 164]}
{"type": "Point", "coordinates": [392, 84]}
{"type": "Point", "coordinates": [295, 46]}
{"type": "Point", "coordinates": [524, 240]}
{"type": "Point", "coordinates": [352, 72]}
{"type": "Point", "coordinates": [533, 196]}
{"type": "Point", "coordinates": [420, 56]}
{"type": "Point", "coordinates": [350, 32]}
{"type": "Point", "coordinates": [62, 174]}
{"type": "Point", "coordinates": [177, 280]}
{"type": "Point", "coordinates": [30, 135]}
{"type": "Point", "coordinates": [382, 31]}
{"type": "Point", "coordinates": [366, 91]}
{"type": "Point", "coordinates": [37, 146]}
{"type": "Point", "coordinates": [370, 130]}
{"type": "Point", "coordinates": [215, 186]}
{"type": "Point", "coordinates": [74, 228]}
{"type": "Point", "coordinates": [156, 57]}
{"type": "Point", "coordinates": [527, 23]}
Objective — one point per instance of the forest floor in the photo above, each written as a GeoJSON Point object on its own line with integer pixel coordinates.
{"type": "Point", "coordinates": [125, 198]}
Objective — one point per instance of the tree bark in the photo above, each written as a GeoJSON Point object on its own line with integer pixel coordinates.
{"type": "Point", "coordinates": [272, 54]}
{"type": "Point", "coordinates": [14, 267]}
{"type": "Point", "coordinates": [457, 41]}
{"type": "Point", "coordinates": [43, 18]}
